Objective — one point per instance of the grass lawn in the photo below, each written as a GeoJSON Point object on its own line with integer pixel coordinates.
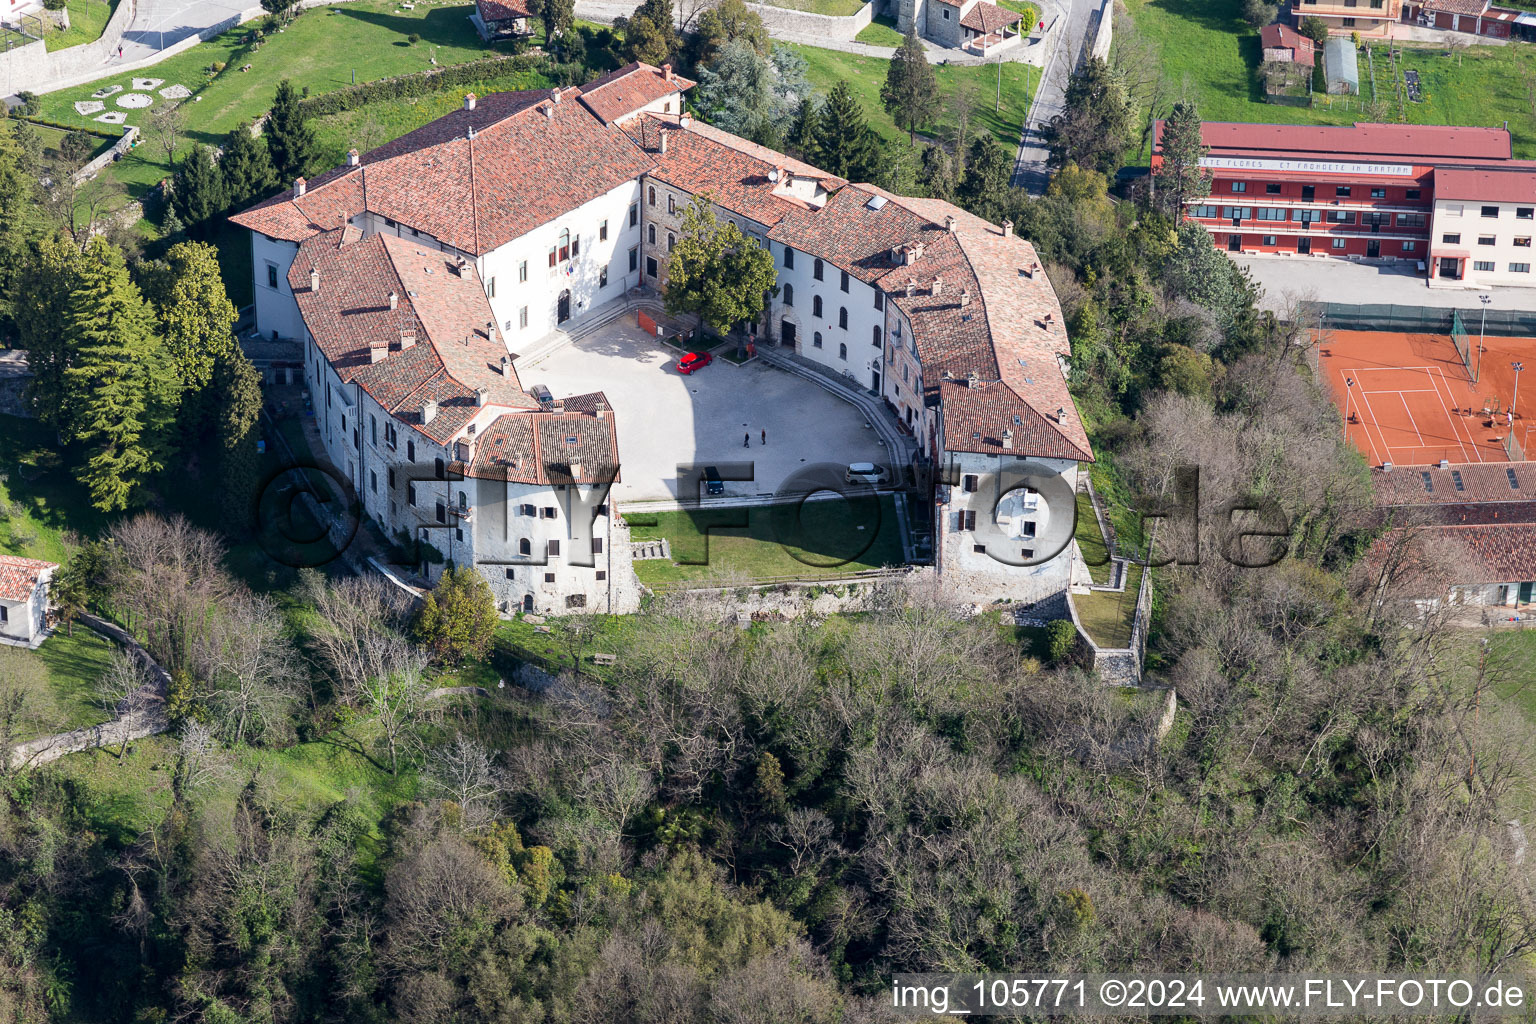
{"type": "Point", "coordinates": [51, 137]}
{"type": "Point", "coordinates": [41, 503]}
{"type": "Point", "coordinates": [74, 664]}
{"type": "Point", "coordinates": [1091, 540]}
{"type": "Point", "coordinates": [320, 52]}
{"type": "Point", "coordinates": [817, 538]}
{"type": "Point", "coordinates": [975, 85]}
{"type": "Point", "coordinates": [1030, 11]}
{"type": "Point", "coordinates": [1107, 615]}
{"type": "Point", "coordinates": [836, 8]}
{"type": "Point", "coordinates": [1206, 45]}
{"type": "Point", "coordinates": [880, 32]}
{"type": "Point", "coordinates": [87, 21]}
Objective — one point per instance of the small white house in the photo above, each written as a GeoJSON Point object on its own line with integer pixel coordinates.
{"type": "Point", "coordinates": [24, 600]}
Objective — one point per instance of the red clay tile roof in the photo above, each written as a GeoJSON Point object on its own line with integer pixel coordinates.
{"type": "Point", "coordinates": [985, 17]}
{"type": "Point", "coordinates": [540, 447]}
{"type": "Point", "coordinates": [1419, 144]}
{"type": "Point", "coordinates": [623, 92]}
{"type": "Point", "coordinates": [502, 10]}
{"type": "Point", "coordinates": [1470, 7]}
{"type": "Point", "coordinates": [19, 576]}
{"type": "Point", "coordinates": [1497, 554]}
{"type": "Point", "coordinates": [1283, 37]}
{"type": "Point", "coordinates": [444, 310]}
{"type": "Point", "coordinates": [1514, 182]}
{"type": "Point", "coordinates": [1480, 482]}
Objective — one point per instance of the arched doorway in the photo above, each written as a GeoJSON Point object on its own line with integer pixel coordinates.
{"type": "Point", "coordinates": [527, 602]}
{"type": "Point", "coordinates": [564, 312]}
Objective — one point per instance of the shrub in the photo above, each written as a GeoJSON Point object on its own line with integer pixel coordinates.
{"type": "Point", "coordinates": [419, 84]}
{"type": "Point", "coordinates": [458, 618]}
{"type": "Point", "coordinates": [1061, 637]}
{"type": "Point", "coordinates": [413, 38]}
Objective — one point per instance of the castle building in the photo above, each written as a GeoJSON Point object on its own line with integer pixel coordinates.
{"type": "Point", "coordinates": [414, 274]}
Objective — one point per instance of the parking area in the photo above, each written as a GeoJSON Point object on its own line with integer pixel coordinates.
{"type": "Point", "coordinates": [665, 418]}
{"type": "Point", "coordinates": [1287, 278]}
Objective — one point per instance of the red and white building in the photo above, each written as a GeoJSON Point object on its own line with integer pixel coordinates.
{"type": "Point", "coordinates": [1369, 192]}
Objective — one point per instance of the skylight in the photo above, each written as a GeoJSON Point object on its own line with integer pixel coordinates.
{"type": "Point", "coordinates": [876, 202]}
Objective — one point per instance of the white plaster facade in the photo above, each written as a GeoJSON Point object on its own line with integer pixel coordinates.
{"type": "Point", "coordinates": [1497, 236]}
{"type": "Point", "coordinates": [1000, 515]}
{"type": "Point", "coordinates": [24, 620]}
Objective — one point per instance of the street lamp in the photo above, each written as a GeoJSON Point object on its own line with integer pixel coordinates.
{"type": "Point", "coordinates": [1349, 386]}
{"type": "Point", "coordinates": [1514, 401]}
{"type": "Point", "coordinates": [1482, 328]}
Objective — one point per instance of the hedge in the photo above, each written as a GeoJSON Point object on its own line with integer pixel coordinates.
{"type": "Point", "coordinates": [419, 84]}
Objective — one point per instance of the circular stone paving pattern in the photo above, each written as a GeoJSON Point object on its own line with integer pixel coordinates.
{"type": "Point", "coordinates": [134, 99]}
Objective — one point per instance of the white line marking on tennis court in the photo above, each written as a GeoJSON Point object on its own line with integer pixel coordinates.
{"type": "Point", "coordinates": [1447, 398]}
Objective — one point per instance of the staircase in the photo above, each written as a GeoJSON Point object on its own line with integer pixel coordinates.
{"type": "Point", "coordinates": [642, 550]}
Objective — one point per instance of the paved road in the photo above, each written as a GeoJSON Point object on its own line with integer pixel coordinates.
{"type": "Point", "coordinates": [162, 23]}
{"type": "Point", "coordinates": [1030, 168]}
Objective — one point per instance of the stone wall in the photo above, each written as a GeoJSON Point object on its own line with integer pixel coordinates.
{"type": "Point", "coordinates": [770, 602]}
{"type": "Point", "coordinates": [1103, 31]}
{"type": "Point", "coordinates": [120, 147]}
{"type": "Point", "coordinates": [32, 68]}
{"type": "Point", "coordinates": [781, 20]}
{"type": "Point", "coordinates": [13, 396]}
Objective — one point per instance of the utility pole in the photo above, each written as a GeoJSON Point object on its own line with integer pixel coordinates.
{"type": "Point", "coordinates": [1349, 387]}
{"type": "Point", "coordinates": [1481, 331]}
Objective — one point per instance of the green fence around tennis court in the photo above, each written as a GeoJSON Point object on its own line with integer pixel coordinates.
{"type": "Point", "coordinates": [1340, 316]}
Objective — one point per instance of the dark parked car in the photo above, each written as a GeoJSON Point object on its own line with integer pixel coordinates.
{"type": "Point", "coordinates": [693, 360]}
{"type": "Point", "coordinates": [712, 482]}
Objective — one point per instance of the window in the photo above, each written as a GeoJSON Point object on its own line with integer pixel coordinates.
{"type": "Point", "coordinates": [373, 429]}
{"type": "Point", "coordinates": [522, 319]}
{"type": "Point", "coordinates": [602, 232]}
{"type": "Point", "coordinates": [979, 549]}
{"type": "Point", "coordinates": [1378, 193]}
{"type": "Point", "coordinates": [877, 337]}
{"type": "Point", "coordinates": [651, 196]}
{"type": "Point", "coordinates": [437, 468]}
{"type": "Point", "coordinates": [1308, 192]}
{"type": "Point", "coordinates": [634, 259]}
{"type": "Point", "coordinates": [5, 613]}
{"type": "Point", "coordinates": [1348, 22]}
{"type": "Point", "coordinates": [671, 203]}
{"type": "Point", "coordinates": [601, 575]}
{"type": "Point", "coordinates": [1272, 189]}
{"type": "Point", "coordinates": [602, 278]}
{"type": "Point", "coordinates": [843, 284]}
{"type": "Point", "coordinates": [969, 483]}
{"type": "Point", "coordinates": [650, 233]}
{"type": "Point", "coordinates": [1519, 268]}
{"type": "Point", "coordinates": [1203, 211]}
{"type": "Point", "coordinates": [1410, 220]}
{"type": "Point", "coordinates": [548, 512]}
{"type": "Point", "coordinates": [1239, 186]}
{"type": "Point", "coordinates": [1272, 213]}
{"type": "Point", "coordinates": [1309, 216]}
{"type": "Point", "coordinates": [442, 512]}
{"type": "Point", "coordinates": [789, 258]}
{"type": "Point", "coordinates": [650, 266]}
{"type": "Point", "coordinates": [966, 520]}
{"type": "Point", "coordinates": [554, 547]}
{"type": "Point", "coordinates": [597, 545]}
{"type": "Point", "coordinates": [525, 547]}
{"type": "Point", "coordinates": [1339, 217]}
{"type": "Point", "coordinates": [554, 255]}
{"type": "Point", "coordinates": [1485, 239]}
{"type": "Point", "coordinates": [815, 305]}
{"type": "Point", "coordinates": [528, 510]}
{"type": "Point", "coordinates": [1523, 243]}
{"type": "Point", "coordinates": [816, 340]}
{"type": "Point", "coordinates": [1339, 243]}
{"type": "Point", "coordinates": [391, 438]}
{"type": "Point", "coordinates": [816, 268]}
{"type": "Point", "coordinates": [789, 295]}
{"type": "Point", "coordinates": [671, 241]}
{"type": "Point", "coordinates": [391, 477]}
{"type": "Point", "coordinates": [1484, 265]}
{"type": "Point", "coordinates": [1453, 209]}
{"type": "Point", "coordinates": [1514, 481]}
{"type": "Point", "coordinates": [410, 451]}
{"type": "Point", "coordinates": [490, 288]}
{"type": "Point", "coordinates": [522, 272]}
{"type": "Point", "coordinates": [634, 214]}
{"type": "Point", "coordinates": [564, 245]}
{"type": "Point", "coordinates": [1410, 246]}
{"type": "Point", "coordinates": [1268, 240]}
{"type": "Point", "coordinates": [842, 351]}
{"type": "Point", "coordinates": [1342, 191]}
{"type": "Point", "coordinates": [1238, 212]}
{"type": "Point", "coordinates": [410, 495]}
{"type": "Point", "coordinates": [271, 275]}
{"type": "Point", "coordinates": [842, 318]}
{"type": "Point", "coordinates": [373, 481]}
{"type": "Point", "coordinates": [549, 577]}
{"type": "Point", "coordinates": [1525, 212]}
{"type": "Point", "coordinates": [1490, 211]}
{"type": "Point", "coordinates": [1451, 238]}
{"type": "Point", "coordinates": [511, 573]}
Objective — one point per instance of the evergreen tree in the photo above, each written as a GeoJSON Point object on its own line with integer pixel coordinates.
{"type": "Point", "coordinates": [804, 126]}
{"type": "Point", "coordinates": [736, 91]}
{"type": "Point", "coordinates": [17, 213]}
{"type": "Point", "coordinates": [196, 318]}
{"type": "Point", "coordinates": [48, 270]}
{"type": "Point", "coordinates": [458, 618]}
{"type": "Point", "coordinates": [1181, 179]}
{"type": "Point", "coordinates": [1094, 126]}
{"type": "Point", "coordinates": [120, 389]}
{"type": "Point", "coordinates": [725, 22]}
{"type": "Point", "coordinates": [911, 90]}
{"type": "Point", "coordinates": [936, 175]}
{"type": "Point", "coordinates": [199, 190]}
{"type": "Point", "coordinates": [236, 392]}
{"type": "Point", "coordinates": [845, 143]}
{"type": "Point", "coordinates": [246, 167]}
{"type": "Point", "coordinates": [985, 185]}
{"type": "Point", "coordinates": [290, 138]}
{"type": "Point", "coordinates": [650, 35]}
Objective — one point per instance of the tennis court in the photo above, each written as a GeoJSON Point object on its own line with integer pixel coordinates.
{"type": "Point", "coordinates": [1410, 399]}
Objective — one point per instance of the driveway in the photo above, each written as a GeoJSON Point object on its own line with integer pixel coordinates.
{"type": "Point", "coordinates": [1284, 278]}
{"type": "Point", "coordinates": [665, 418]}
{"type": "Point", "coordinates": [1031, 168]}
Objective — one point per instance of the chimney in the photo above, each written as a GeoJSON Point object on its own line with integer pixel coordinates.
{"type": "Point", "coordinates": [298, 186]}
{"type": "Point", "coordinates": [686, 120]}
{"type": "Point", "coordinates": [469, 101]}
{"type": "Point", "coordinates": [965, 296]}
{"type": "Point", "coordinates": [554, 95]}
{"type": "Point", "coordinates": [353, 158]}
{"type": "Point", "coordinates": [314, 279]}
{"type": "Point", "coordinates": [394, 300]}
{"type": "Point", "coordinates": [407, 339]}
{"type": "Point", "coordinates": [377, 351]}
{"type": "Point", "coordinates": [602, 409]}
{"type": "Point", "coordinates": [949, 223]}
{"type": "Point", "coordinates": [471, 133]}
{"type": "Point", "coordinates": [1445, 463]}
{"type": "Point", "coordinates": [428, 411]}
{"type": "Point", "coordinates": [911, 287]}
{"type": "Point", "coordinates": [1007, 229]}
{"type": "Point", "coordinates": [661, 145]}
{"type": "Point", "coordinates": [482, 395]}
{"type": "Point", "coordinates": [1061, 414]}
{"type": "Point", "coordinates": [506, 364]}
{"type": "Point", "coordinates": [938, 284]}
{"type": "Point", "coordinates": [490, 330]}
{"type": "Point", "coordinates": [972, 380]}
{"type": "Point", "coordinates": [1008, 438]}
{"type": "Point", "coordinates": [575, 471]}
{"type": "Point", "coordinates": [666, 72]}
{"type": "Point", "coordinates": [460, 265]}
{"type": "Point", "coordinates": [558, 405]}
{"type": "Point", "coordinates": [549, 111]}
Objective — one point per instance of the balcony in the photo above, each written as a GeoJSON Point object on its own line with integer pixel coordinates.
{"type": "Point", "coordinates": [463, 513]}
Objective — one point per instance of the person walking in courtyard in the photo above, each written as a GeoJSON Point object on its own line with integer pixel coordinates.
{"type": "Point", "coordinates": [746, 440]}
{"type": "Point", "coordinates": [119, 51]}
{"type": "Point", "coordinates": [765, 439]}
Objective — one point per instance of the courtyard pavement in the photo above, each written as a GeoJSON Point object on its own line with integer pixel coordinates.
{"type": "Point", "coordinates": [1329, 280]}
{"type": "Point", "coordinates": [665, 418]}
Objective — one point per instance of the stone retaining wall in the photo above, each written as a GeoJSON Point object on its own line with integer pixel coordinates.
{"type": "Point", "coordinates": [120, 147]}
{"type": "Point", "coordinates": [32, 68]}
{"type": "Point", "coordinates": [840, 28]}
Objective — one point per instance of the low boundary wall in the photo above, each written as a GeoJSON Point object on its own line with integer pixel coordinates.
{"type": "Point", "coordinates": [841, 28]}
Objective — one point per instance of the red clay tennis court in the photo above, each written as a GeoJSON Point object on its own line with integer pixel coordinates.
{"type": "Point", "coordinates": [1409, 399]}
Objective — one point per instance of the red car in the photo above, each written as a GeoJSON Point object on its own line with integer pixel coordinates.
{"type": "Point", "coordinates": [693, 360]}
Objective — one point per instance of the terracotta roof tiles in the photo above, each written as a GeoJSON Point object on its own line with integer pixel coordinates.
{"type": "Point", "coordinates": [19, 576]}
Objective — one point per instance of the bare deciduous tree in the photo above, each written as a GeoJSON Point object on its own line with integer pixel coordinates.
{"type": "Point", "coordinates": [252, 665]}
{"type": "Point", "coordinates": [126, 691]}
{"type": "Point", "coordinates": [463, 772]}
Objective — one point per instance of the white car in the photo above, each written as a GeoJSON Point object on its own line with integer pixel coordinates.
{"type": "Point", "coordinates": [866, 473]}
